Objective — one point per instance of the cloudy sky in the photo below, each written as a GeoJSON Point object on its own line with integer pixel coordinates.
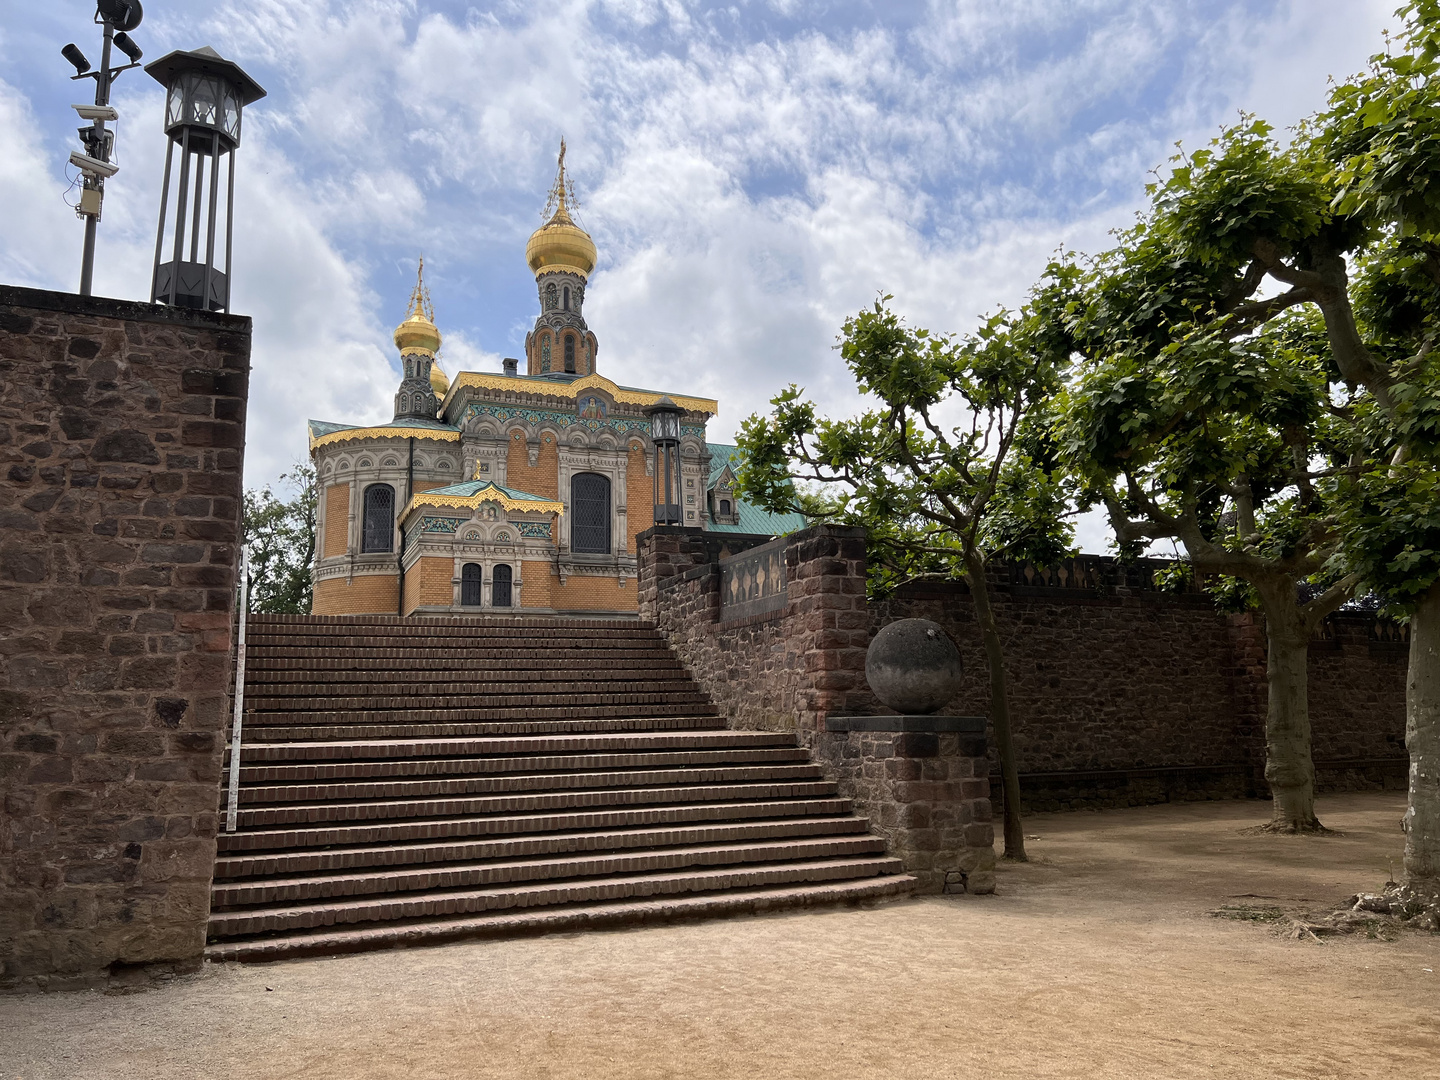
{"type": "Point", "coordinates": [751, 172]}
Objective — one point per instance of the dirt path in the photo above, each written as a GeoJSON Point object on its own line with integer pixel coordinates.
{"type": "Point", "coordinates": [1097, 960]}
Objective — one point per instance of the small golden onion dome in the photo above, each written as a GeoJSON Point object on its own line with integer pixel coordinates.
{"type": "Point", "coordinates": [560, 244]}
{"type": "Point", "coordinates": [439, 381]}
{"type": "Point", "coordinates": [418, 332]}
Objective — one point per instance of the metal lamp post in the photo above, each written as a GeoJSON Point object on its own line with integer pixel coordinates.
{"type": "Point", "coordinates": [115, 17]}
{"type": "Point", "coordinates": [205, 95]}
{"type": "Point", "coordinates": [665, 434]}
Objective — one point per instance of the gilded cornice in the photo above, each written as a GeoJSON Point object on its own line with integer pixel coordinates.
{"type": "Point", "coordinates": [470, 502]}
{"type": "Point", "coordinates": [544, 388]}
{"type": "Point", "coordinates": [350, 434]}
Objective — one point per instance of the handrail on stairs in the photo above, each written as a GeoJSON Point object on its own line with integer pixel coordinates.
{"type": "Point", "coordinates": [232, 804]}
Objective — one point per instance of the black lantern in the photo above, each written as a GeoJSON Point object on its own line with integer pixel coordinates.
{"type": "Point", "coordinates": [665, 434]}
{"type": "Point", "coordinates": [205, 95]}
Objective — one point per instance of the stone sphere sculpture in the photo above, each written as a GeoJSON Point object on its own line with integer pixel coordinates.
{"type": "Point", "coordinates": [913, 666]}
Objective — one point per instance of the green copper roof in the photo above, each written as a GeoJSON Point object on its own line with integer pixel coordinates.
{"type": "Point", "coordinates": [474, 487]}
{"type": "Point", "coordinates": [753, 520]}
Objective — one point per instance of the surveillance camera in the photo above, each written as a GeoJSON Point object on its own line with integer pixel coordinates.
{"type": "Point", "coordinates": [95, 166]}
{"type": "Point", "coordinates": [96, 112]}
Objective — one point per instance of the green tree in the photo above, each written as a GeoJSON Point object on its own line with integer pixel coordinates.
{"type": "Point", "coordinates": [1207, 415]}
{"type": "Point", "coordinates": [279, 539]}
{"type": "Point", "coordinates": [1382, 138]}
{"type": "Point", "coordinates": [944, 475]}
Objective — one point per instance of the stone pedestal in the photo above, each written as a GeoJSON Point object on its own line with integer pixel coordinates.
{"type": "Point", "coordinates": [924, 783]}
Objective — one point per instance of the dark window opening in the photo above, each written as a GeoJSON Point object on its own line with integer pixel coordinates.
{"type": "Point", "coordinates": [724, 507]}
{"type": "Point", "coordinates": [567, 297]}
{"type": "Point", "coordinates": [590, 514]}
{"type": "Point", "coordinates": [500, 587]}
{"type": "Point", "coordinates": [570, 353]}
{"type": "Point", "coordinates": [379, 524]}
{"type": "Point", "coordinates": [470, 595]}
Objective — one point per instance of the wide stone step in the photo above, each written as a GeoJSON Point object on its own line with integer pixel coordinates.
{"type": "Point", "coordinates": [569, 918]}
{"type": "Point", "coordinates": [569, 780]}
{"type": "Point", "coordinates": [474, 766]}
{"type": "Point", "coordinates": [384, 749]}
{"type": "Point", "coordinates": [464, 671]}
{"type": "Point", "coordinates": [404, 809]}
{"type": "Point", "coordinates": [269, 864]}
{"type": "Point", "coordinates": [292, 890]}
{"type": "Point", "coordinates": [288, 715]}
{"type": "Point", "coordinates": [625, 817]}
{"type": "Point", "coordinates": [281, 732]}
{"type": "Point", "coordinates": [571, 695]}
{"type": "Point", "coordinates": [290, 917]}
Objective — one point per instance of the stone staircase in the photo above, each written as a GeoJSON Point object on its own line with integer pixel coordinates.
{"type": "Point", "coordinates": [407, 782]}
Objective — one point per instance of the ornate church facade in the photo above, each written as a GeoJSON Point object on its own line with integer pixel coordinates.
{"type": "Point", "coordinates": [505, 492]}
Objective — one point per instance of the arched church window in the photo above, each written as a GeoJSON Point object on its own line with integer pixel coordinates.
{"type": "Point", "coordinates": [470, 595]}
{"type": "Point", "coordinates": [567, 297]}
{"type": "Point", "coordinates": [590, 514]}
{"type": "Point", "coordinates": [378, 533]}
{"type": "Point", "coordinates": [550, 297]}
{"type": "Point", "coordinates": [500, 586]}
{"type": "Point", "coordinates": [570, 353]}
{"type": "Point", "coordinates": [545, 353]}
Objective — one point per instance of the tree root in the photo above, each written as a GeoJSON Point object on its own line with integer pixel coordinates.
{"type": "Point", "coordinates": [1376, 915]}
{"type": "Point", "coordinates": [1290, 828]}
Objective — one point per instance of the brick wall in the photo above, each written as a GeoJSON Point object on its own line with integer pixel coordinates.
{"type": "Point", "coordinates": [591, 594]}
{"type": "Point", "coordinates": [337, 520]}
{"type": "Point", "coordinates": [543, 478]}
{"type": "Point", "coordinates": [121, 433]}
{"type": "Point", "coordinates": [639, 496]}
{"type": "Point", "coordinates": [429, 583]}
{"type": "Point", "coordinates": [363, 594]}
{"type": "Point", "coordinates": [788, 670]}
{"type": "Point", "coordinates": [1119, 695]}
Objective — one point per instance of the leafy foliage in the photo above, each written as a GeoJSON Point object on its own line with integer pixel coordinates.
{"type": "Point", "coordinates": [279, 539]}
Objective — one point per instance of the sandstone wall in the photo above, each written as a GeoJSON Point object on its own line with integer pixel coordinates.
{"type": "Point", "coordinates": [121, 434]}
{"type": "Point", "coordinates": [1119, 694]}
{"type": "Point", "coordinates": [787, 670]}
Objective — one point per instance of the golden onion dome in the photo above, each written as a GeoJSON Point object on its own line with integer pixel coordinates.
{"type": "Point", "coordinates": [439, 381]}
{"type": "Point", "coordinates": [560, 244]}
{"type": "Point", "coordinates": [418, 332]}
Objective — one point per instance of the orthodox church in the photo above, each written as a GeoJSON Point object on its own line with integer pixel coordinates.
{"type": "Point", "coordinates": [515, 493]}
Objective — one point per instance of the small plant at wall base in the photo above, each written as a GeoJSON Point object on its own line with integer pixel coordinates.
{"type": "Point", "coordinates": [279, 539]}
{"type": "Point", "coordinates": [938, 498]}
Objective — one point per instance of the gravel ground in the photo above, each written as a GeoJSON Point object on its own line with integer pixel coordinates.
{"type": "Point", "coordinates": [1097, 959]}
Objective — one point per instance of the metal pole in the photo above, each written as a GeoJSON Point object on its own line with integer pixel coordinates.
{"type": "Point", "coordinates": [229, 225]}
{"type": "Point", "coordinates": [183, 191]}
{"type": "Point", "coordinates": [160, 233]}
{"type": "Point", "coordinates": [210, 222]}
{"type": "Point", "coordinates": [199, 190]}
{"type": "Point", "coordinates": [98, 148]}
{"type": "Point", "coordinates": [232, 805]}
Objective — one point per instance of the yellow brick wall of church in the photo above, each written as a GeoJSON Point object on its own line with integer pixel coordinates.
{"type": "Point", "coordinates": [590, 594]}
{"type": "Point", "coordinates": [536, 580]}
{"type": "Point", "coordinates": [428, 584]}
{"type": "Point", "coordinates": [544, 478]}
{"type": "Point", "coordinates": [639, 496]}
{"type": "Point", "coordinates": [337, 519]}
{"type": "Point", "coordinates": [367, 594]}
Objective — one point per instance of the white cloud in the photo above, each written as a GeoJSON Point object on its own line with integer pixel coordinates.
{"type": "Point", "coordinates": [751, 174]}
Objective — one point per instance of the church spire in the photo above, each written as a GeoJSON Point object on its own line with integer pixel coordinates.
{"type": "Point", "coordinates": [562, 192]}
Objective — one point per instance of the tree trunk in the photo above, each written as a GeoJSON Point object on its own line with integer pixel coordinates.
{"type": "Point", "coordinates": [1422, 739]}
{"type": "Point", "coordinates": [1289, 770]}
{"type": "Point", "coordinates": [999, 707]}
